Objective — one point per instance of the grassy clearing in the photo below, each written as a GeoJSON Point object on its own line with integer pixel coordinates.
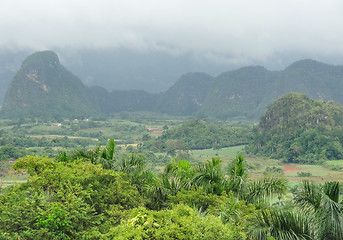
{"type": "Point", "coordinates": [315, 170]}
{"type": "Point", "coordinates": [225, 154]}
{"type": "Point", "coordinates": [257, 165]}
{"type": "Point", "coordinates": [334, 162]}
{"type": "Point", "coordinates": [52, 136]}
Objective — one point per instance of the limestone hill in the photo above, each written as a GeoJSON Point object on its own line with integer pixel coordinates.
{"type": "Point", "coordinates": [299, 129]}
{"type": "Point", "coordinates": [43, 87]}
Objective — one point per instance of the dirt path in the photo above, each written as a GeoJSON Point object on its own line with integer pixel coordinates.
{"type": "Point", "coordinates": [289, 168]}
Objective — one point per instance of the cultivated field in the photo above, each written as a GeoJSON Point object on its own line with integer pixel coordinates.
{"type": "Point", "coordinates": [127, 129]}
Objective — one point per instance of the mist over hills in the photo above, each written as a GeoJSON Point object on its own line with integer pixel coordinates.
{"type": "Point", "coordinates": [117, 68]}
{"type": "Point", "coordinates": [248, 91]}
{"type": "Point", "coordinates": [187, 95]}
{"type": "Point", "coordinates": [43, 87]}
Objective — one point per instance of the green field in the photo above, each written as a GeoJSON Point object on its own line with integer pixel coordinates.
{"type": "Point", "coordinates": [225, 154]}
{"type": "Point", "coordinates": [128, 129]}
{"type": "Point", "coordinates": [256, 166]}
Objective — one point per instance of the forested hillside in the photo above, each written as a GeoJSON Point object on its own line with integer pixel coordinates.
{"type": "Point", "coordinates": [239, 93]}
{"type": "Point", "coordinates": [299, 129]}
{"type": "Point", "coordinates": [186, 96]}
{"type": "Point", "coordinates": [247, 92]}
{"type": "Point", "coordinates": [44, 88]}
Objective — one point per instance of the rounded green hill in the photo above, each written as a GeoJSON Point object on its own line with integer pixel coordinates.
{"type": "Point", "coordinates": [299, 129]}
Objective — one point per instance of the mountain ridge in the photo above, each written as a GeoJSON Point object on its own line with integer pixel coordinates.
{"type": "Point", "coordinates": [50, 89]}
{"type": "Point", "coordinates": [43, 87]}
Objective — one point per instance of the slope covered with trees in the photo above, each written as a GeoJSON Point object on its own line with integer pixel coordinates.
{"type": "Point", "coordinates": [248, 91]}
{"type": "Point", "coordinates": [299, 129]}
{"type": "Point", "coordinates": [187, 95]}
{"type": "Point", "coordinates": [43, 87]}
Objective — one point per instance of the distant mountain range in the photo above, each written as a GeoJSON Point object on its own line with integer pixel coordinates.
{"type": "Point", "coordinates": [43, 87]}
{"type": "Point", "coordinates": [118, 68]}
{"type": "Point", "coordinates": [248, 91]}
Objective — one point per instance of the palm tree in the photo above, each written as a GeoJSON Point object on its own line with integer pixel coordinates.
{"type": "Point", "coordinates": [177, 175]}
{"type": "Point", "coordinates": [318, 216]}
{"type": "Point", "coordinates": [253, 191]}
{"type": "Point", "coordinates": [106, 157]}
{"type": "Point", "coordinates": [210, 176]}
{"type": "Point", "coordinates": [180, 170]}
{"type": "Point", "coordinates": [268, 186]}
{"type": "Point", "coordinates": [136, 171]}
{"type": "Point", "coordinates": [321, 202]}
{"type": "Point", "coordinates": [237, 175]}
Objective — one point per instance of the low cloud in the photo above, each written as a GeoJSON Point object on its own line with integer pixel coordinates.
{"type": "Point", "coordinates": [233, 31]}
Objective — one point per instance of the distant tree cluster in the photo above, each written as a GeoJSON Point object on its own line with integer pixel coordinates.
{"type": "Point", "coordinates": [201, 134]}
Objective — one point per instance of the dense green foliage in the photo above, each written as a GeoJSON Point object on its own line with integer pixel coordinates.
{"type": "Point", "coordinates": [201, 134]}
{"type": "Point", "coordinates": [65, 200]}
{"type": "Point", "coordinates": [180, 222]}
{"type": "Point", "coordinates": [95, 195]}
{"type": "Point", "coordinates": [298, 129]}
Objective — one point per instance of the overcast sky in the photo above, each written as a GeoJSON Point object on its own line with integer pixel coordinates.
{"type": "Point", "coordinates": [222, 30]}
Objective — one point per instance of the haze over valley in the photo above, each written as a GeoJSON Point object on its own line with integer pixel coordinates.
{"type": "Point", "coordinates": [43, 87]}
{"type": "Point", "coordinates": [171, 119]}
{"type": "Point", "coordinates": [121, 46]}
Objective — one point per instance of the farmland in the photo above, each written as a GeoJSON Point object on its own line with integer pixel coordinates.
{"type": "Point", "coordinates": [131, 131]}
{"type": "Point", "coordinates": [150, 160]}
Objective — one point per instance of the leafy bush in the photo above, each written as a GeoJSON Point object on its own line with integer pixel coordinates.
{"type": "Point", "coordinates": [273, 170]}
{"type": "Point", "coordinates": [304, 174]}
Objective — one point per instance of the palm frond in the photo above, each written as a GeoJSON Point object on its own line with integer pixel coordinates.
{"type": "Point", "coordinates": [282, 225]}
{"type": "Point", "coordinates": [330, 219]}
{"type": "Point", "coordinates": [308, 198]}
{"type": "Point", "coordinates": [331, 189]}
{"type": "Point", "coordinates": [267, 186]}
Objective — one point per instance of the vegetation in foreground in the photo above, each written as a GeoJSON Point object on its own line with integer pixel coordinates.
{"type": "Point", "coordinates": [96, 195]}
